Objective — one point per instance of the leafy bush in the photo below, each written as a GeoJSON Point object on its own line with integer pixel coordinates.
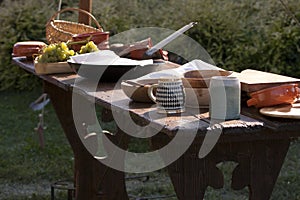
{"type": "Point", "coordinates": [237, 34]}
{"type": "Point", "coordinates": [21, 21]}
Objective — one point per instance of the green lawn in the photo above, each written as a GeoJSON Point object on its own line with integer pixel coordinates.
{"type": "Point", "coordinates": [23, 164]}
{"type": "Point", "coordinates": [26, 170]}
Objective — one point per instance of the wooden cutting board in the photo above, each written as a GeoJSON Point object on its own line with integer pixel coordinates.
{"type": "Point", "coordinates": [254, 80]}
{"type": "Point", "coordinates": [52, 68]}
{"type": "Point", "coordinates": [282, 111]}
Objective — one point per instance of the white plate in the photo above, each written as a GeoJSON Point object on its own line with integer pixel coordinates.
{"type": "Point", "coordinates": [282, 111]}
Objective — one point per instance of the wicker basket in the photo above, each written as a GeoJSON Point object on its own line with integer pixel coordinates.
{"type": "Point", "coordinates": [62, 31]}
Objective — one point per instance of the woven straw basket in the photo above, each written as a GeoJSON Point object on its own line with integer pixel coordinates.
{"type": "Point", "coordinates": [62, 31]}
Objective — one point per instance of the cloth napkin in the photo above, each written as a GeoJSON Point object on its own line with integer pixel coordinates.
{"type": "Point", "coordinates": [178, 72]}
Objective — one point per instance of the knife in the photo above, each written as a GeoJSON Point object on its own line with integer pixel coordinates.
{"type": "Point", "coordinates": [169, 39]}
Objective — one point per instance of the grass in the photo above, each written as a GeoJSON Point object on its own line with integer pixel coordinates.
{"type": "Point", "coordinates": [23, 162]}
{"type": "Point", "coordinates": [21, 156]}
{"type": "Point", "coordinates": [26, 170]}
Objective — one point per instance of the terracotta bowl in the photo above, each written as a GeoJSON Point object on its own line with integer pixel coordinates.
{"type": "Point", "coordinates": [283, 94]}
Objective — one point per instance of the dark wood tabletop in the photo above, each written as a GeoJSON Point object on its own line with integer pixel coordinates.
{"type": "Point", "coordinates": [257, 143]}
{"type": "Point", "coordinates": [251, 119]}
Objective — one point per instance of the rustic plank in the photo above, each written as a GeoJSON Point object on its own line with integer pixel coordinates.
{"type": "Point", "coordinates": [279, 125]}
{"type": "Point", "coordinates": [24, 63]}
{"type": "Point", "coordinates": [64, 81]}
{"type": "Point", "coordinates": [253, 80]}
{"type": "Point", "coordinates": [85, 5]}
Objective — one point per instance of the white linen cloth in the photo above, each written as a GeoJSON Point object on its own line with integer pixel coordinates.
{"type": "Point", "coordinates": [179, 72]}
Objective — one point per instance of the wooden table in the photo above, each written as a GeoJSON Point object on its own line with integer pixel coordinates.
{"type": "Point", "coordinates": [258, 144]}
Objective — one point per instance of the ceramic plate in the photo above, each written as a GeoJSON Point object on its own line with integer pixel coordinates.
{"type": "Point", "coordinates": [282, 111]}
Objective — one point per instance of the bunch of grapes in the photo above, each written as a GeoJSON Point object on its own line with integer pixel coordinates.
{"type": "Point", "coordinates": [58, 52]}
{"type": "Point", "coordinates": [88, 48]}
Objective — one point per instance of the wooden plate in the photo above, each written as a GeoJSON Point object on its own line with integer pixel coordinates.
{"type": "Point", "coordinates": [283, 111]}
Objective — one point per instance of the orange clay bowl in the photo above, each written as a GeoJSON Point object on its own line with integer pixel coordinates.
{"type": "Point", "coordinates": [283, 94]}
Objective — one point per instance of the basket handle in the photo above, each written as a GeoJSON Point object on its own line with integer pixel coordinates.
{"type": "Point", "coordinates": [76, 9]}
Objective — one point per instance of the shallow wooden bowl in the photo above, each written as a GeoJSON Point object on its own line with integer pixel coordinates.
{"type": "Point", "coordinates": [195, 97]}
{"type": "Point", "coordinates": [201, 78]}
{"type": "Point", "coordinates": [136, 92]}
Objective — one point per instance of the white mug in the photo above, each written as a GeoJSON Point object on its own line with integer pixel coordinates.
{"type": "Point", "coordinates": [225, 97]}
{"type": "Point", "coordinates": [170, 95]}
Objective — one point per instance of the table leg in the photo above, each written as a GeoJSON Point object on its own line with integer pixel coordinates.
{"type": "Point", "coordinates": [259, 164]}
{"type": "Point", "coordinates": [265, 165]}
{"type": "Point", "coordinates": [90, 174]}
{"type": "Point", "coordinates": [190, 175]}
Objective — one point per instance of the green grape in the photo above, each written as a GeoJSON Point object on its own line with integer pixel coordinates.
{"type": "Point", "coordinates": [58, 52]}
{"type": "Point", "coordinates": [82, 50]}
{"type": "Point", "coordinates": [64, 46]}
{"type": "Point", "coordinates": [89, 47]}
{"type": "Point", "coordinates": [72, 52]}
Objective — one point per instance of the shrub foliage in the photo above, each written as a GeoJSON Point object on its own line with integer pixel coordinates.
{"type": "Point", "coordinates": [237, 34]}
